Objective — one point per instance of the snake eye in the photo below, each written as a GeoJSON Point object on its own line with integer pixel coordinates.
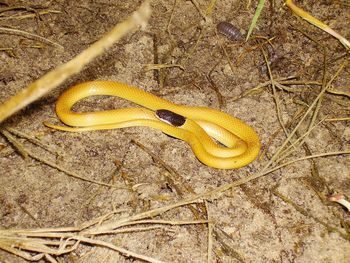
{"type": "Point", "coordinates": [170, 117]}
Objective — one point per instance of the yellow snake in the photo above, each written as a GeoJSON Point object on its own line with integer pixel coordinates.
{"type": "Point", "coordinates": [240, 143]}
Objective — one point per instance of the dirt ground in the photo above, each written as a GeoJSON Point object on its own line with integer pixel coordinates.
{"type": "Point", "coordinates": [283, 216]}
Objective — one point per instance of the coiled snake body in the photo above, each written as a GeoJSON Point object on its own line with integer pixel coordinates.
{"type": "Point", "coordinates": [199, 124]}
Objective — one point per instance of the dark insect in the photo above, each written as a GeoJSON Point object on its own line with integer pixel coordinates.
{"type": "Point", "coordinates": [229, 30]}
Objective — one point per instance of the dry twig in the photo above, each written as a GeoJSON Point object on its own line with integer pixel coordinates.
{"type": "Point", "coordinates": [55, 77]}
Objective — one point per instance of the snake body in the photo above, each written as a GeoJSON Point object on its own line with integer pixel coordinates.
{"type": "Point", "coordinates": [241, 143]}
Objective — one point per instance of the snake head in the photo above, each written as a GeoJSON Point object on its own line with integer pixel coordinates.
{"type": "Point", "coordinates": [170, 117]}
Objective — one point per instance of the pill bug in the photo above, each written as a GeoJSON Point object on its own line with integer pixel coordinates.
{"type": "Point", "coordinates": [229, 30]}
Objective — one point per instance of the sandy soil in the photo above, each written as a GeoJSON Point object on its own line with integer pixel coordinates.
{"type": "Point", "coordinates": [281, 217]}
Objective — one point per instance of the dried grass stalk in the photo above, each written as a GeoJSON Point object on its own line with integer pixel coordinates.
{"type": "Point", "coordinates": [55, 77]}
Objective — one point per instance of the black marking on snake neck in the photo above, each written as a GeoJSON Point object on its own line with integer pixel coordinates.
{"type": "Point", "coordinates": [170, 117]}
